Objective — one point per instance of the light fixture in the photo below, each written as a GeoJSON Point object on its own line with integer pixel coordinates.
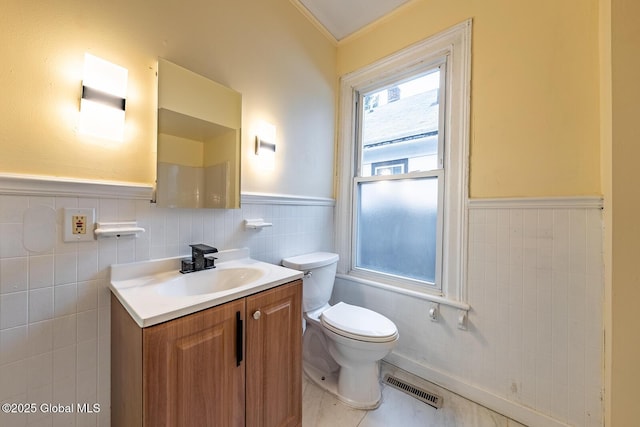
{"type": "Point", "coordinates": [103, 102]}
{"type": "Point", "coordinates": [265, 138]}
{"type": "Point", "coordinates": [265, 145]}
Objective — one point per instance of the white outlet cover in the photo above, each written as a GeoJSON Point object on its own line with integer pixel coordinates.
{"type": "Point", "coordinates": [67, 224]}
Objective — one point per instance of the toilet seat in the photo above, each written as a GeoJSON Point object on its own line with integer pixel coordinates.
{"type": "Point", "coordinates": [358, 323]}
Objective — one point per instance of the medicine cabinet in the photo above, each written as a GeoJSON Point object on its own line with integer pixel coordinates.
{"type": "Point", "coordinates": [199, 128]}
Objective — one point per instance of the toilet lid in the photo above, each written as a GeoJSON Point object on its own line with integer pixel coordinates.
{"type": "Point", "coordinates": [358, 323]}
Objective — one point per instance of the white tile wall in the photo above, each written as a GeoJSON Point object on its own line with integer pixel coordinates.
{"type": "Point", "coordinates": [535, 285]}
{"type": "Point", "coordinates": [54, 306]}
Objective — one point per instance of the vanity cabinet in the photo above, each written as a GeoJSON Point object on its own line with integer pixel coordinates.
{"type": "Point", "coordinates": [274, 358]}
{"type": "Point", "coordinates": [236, 364]}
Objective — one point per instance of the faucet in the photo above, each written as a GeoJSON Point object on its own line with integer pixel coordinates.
{"type": "Point", "coordinates": [198, 259]}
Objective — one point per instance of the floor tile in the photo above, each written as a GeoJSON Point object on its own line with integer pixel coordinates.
{"type": "Point", "coordinates": [322, 409]}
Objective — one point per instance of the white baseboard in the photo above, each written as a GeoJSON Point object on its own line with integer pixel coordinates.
{"type": "Point", "coordinates": [508, 408]}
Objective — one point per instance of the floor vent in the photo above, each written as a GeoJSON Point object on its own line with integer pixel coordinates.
{"type": "Point", "coordinates": [420, 394]}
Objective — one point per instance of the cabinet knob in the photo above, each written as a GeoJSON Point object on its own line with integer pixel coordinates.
{"type": "Point", "coordinates": [257, 314]}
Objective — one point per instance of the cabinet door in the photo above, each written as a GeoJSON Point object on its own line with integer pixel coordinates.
{"type": "Point", "coordinates": [193, 376]}
{"type": "Point", "coordinates": [274, 357]}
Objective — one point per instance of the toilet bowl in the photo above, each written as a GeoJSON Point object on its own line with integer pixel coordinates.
{"type": "Point", "coordinates": [343, 343]}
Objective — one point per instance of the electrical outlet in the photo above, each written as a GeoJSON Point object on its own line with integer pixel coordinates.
{"type": "Point", "coordinates": [78, 224]}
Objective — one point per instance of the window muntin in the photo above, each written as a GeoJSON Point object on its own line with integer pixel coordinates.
{"type": "Point", "coordinates": [398, 188]}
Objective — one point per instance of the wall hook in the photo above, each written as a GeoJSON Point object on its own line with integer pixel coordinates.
{"type": "Point", "coordinates": [434, 312]}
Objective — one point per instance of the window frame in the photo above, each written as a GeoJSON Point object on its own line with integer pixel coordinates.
{"type": "Point", "coordinates": [454, 47]}
{"type": "Point", "coordinates": [360, 93]}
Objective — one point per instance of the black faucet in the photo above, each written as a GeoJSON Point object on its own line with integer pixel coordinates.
{"type": "Point", "coordinates": [198, 259]}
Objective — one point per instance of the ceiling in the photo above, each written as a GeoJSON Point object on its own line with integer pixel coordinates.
{"type": "Point", "coordinates": [344, 17]}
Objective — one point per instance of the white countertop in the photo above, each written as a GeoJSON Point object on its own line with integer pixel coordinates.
{"type": "Point", "coordinates": [138, 285]}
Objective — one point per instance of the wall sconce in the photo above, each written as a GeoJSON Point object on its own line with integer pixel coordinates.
{"type": "Point", "coordinates": [102, 106]}
{"type": "Point", "coordinates": [266, 145]}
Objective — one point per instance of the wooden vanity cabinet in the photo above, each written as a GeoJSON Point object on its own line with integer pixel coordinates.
{"type": "Point", "coordinates": [236, 364]}
{"type": "Point", "coordinates": [190, 373]}
{"type": "Point", "coordinates": [274, 357]}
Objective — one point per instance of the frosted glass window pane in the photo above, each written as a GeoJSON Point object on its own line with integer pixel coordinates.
{"type": "Point", "coordinates": [397, 227]}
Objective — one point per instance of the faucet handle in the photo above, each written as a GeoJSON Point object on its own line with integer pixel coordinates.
{"type": "Point", "coordinates": [210, 262]}
{"type": "Point", "coordinates": [187, 266]}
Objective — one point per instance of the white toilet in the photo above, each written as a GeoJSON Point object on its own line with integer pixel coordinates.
{"type": "Point", "coordinates": [343, 343]}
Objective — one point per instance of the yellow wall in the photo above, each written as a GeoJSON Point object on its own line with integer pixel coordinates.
{"type": "Point", "coordinates": [43, 54]}
{"type": "Point", "coordinates": [554, 112]}
{"type": "Point", "coordinates": [180, 151]}
{"type": "Point", "coordinates": [222, 148]}
{"type": "Point", "coordinates": [534, 108]}
{"type": "Point", "coordinates": [193, 95]}
{"type": "Point", "coordinates": [266, 50]}
{"type": "Point", "coordinates": [624, 329]}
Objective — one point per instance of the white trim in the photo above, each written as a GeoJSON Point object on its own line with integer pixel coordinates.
{"type": "Point", "coordinates": [455, 44]}
{"type": "Point", "coordinates": [319, 26]}
{"type": "Point", "coordinates": [380, 21]}
{"type": "Point", "coordinates": [574, 202]}
{"type": "Point", "coordinates": [511, 409]}
{"type": "Point", "coordinates": [36, 185]}
{"type": "Point", "coordinates": [440, 299]}
{"type": "Point", "coordinates": [353, 35]}
{"type": "Point", "coordinates": [51, 186]}
{"type": "Point", "coordinates": [284, 199]}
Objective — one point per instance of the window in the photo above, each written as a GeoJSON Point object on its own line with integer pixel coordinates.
{"type": "Point", "coordinates": [399, 171]}
{"type": "Point", "coordinates": [390, 167]}
{"type": "Point", "coordinates": [403, 167]}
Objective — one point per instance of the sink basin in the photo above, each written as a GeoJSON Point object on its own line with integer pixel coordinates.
{"type": "Point", "coordinates": [209, 281]}
{"type": "Point", "coordinates": [154, 291]}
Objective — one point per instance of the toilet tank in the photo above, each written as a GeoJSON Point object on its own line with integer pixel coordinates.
{"type": "Point", "coordinates": [320, 274]}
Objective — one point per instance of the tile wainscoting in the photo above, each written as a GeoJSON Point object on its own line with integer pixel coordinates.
{"type": "Point", "coordinates": [533, 350]}
{"type": "Point", "coordinates": [534, 345]}
{"type": "Point", "coordinates": [54, 306]}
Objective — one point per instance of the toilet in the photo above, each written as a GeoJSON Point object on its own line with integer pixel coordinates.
{"type": "Point", "coordinates": [342, 344]}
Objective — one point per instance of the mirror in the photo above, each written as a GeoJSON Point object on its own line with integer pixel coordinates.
{"type": "Point", "coordinates": [199, 123]}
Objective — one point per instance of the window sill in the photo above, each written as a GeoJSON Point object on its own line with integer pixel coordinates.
{"type": "Point", "coordinates": [425, 295]}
